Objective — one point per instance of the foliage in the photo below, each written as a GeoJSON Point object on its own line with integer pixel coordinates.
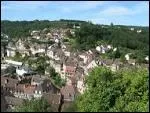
{"type": "Point", "coordinates": [16, 29]}
{"type": "Point", "coordinates": [56, 77]}
{"type": "Point", "coordinates": [123, 91]}
{"type": "Point", "coordinates": [71, 108]}
{"type": "Point", "coordinates": [11, 70]}
{"type": "Point", "coordinates": [89, 36]}
{"type": "Point", "coordinates": [41, 64]}
{"type": "Point", "coordinates": [34, 105]}
{"type": "Point", "coordinates": [17, 57]}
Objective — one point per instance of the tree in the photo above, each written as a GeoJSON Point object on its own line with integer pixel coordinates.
{"type": "Point", "coordinates": [41, 64]}
{"type": "Point", "coordinates": [34, 105]}
{"type": "Point", "coordinates": [111, 24]}
{"type": "Point", "coordinates": [71, 108]}
{"type": "Point", "coordinates": [117, 53]}
{"type": "Point", "coordinates": [11, 70]}
{"type": "Point", "coordinates": [123, 91]}
{"type": "Point", "coordinates": [86, 37]}
{"type": "Point", "coordinates": [56, 77]}
{"type": "Point", "coordinates": [18, 56]}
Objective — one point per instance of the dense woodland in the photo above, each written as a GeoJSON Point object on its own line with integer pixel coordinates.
{"type": "Point", "coordinates": [89, 35]}
{"type": "Point", "coordinates": [16, 29]}
{"type": "Point", "coordinates": [123, 91]}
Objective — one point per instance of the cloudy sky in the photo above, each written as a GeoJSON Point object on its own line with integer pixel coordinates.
{"type": "Point", "coordinates": [102, 12]}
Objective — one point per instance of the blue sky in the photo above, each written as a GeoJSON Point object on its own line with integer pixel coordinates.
{"type": "Point", "coordinates": [101, 12]}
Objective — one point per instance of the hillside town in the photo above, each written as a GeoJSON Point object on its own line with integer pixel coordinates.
{"type": "Point", "coordinates": [72, 67]}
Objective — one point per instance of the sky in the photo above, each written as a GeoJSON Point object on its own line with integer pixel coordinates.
{"type": "Point", "coordinates": [99, 12]}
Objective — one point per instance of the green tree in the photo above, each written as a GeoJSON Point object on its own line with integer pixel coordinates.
{"type": "Point", "coordinates": [71, 108]}
{"type": "Point", "coordinates": [123, 91]}
{"type": "Point", "coordinates": [34, 105]}
{"type": "Point", "coordinates": [117, 53]}
{"type": "Point", "coordinates": [56, 77]}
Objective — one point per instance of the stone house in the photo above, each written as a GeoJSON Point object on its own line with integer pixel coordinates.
{"type": "Point", "coordinates": [132, 62]}
{"type": "Point", "coordinates": [92, 64]}
{"type": "Point", "coordinates": [54, 53]}
{"type": "Point", "coordinates": [69, 67]}
{"type": "Point", "coordinates": [87, 56]}
{"type": "Point", "coordinates": [54, 100]}
{"type": "Point", "coordinates": [26, 91]}
{"type": "Point", "coordinates": [11, 52]}
{"type": "Point", "coordinates": [35, 33]}
{"type": "Point", "coordinates": [68, 93]}
{"type": "Point", "coordinates": [81, 86]}
{"type": "Point", "coordinates": [117, 64]}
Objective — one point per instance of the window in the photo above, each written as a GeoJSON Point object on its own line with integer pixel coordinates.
{"type": "Point", "coordinates": [35, 91]}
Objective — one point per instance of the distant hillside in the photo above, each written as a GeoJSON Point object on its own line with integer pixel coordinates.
{"type": "Point", "coordinates": [89, 35]}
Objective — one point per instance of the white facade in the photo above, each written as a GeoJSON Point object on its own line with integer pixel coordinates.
{"type": "Point", "coordinates": [13, 62]}
{"type": "Point", "coordinates": [50, 54]}
{"type": "Point", "coordinates": [37, 37]}
{"type": "Point", "coordinates": [68, 81]}
{"type": "Point", "coordinates": [56, 57]}
{"type": "Point", "coordinates": [115, 49]}
{"type": "Point", "coordinates": [92, 64]}
{"type": "Point", "coordinates": [36, 83]}
{"type": "Point", "coordinates": [63, 47]}
{"type": "Point", "coordinates": [57, 68]}
{"type": "Point", "coordinates": [98, 48]}
{"type": "Point", "coordinates": [84, 57]}
{"type": "Point", "coordinates": [139, 31]}
{"type": "Point", "coordinates": [114, 67]}
{"type": "Point", "coordinates": [103, 51]}
{"type": "Point", "coordinates": [67, 53]}
{"type": "Point", "coordinates": [127, 57]}
{"type": "Point", "coordinates": [56, 40]}
{"type": "Point", "coordinates": [11, 53]}
{"type": "Point", "coordinates": [80, 86]}
{"type": "Point", "coordinates": [132, 29]}
{"type": "Point", "coordinates": [34, 32]}
{"type": "Point", "coordinates": [147, 58]}
{"type": "Point", "coordinates": [37, 94]}
{"type": "Point", "coordinates": [4, 66]}
{"type": "Point", "coordinates": [109, 46]}
{"type": "Point", "coordinates": [37, 51]}
{"type": "Point", "coordinates": [21, 72]}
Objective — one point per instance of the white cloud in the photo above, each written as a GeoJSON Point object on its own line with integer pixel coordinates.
{"type": "Point", "coordinates": [115, 11]}
{"type": "Point", "coordinates": [79, 6]}
{"type": "Point", "coordinates": [125, 11]}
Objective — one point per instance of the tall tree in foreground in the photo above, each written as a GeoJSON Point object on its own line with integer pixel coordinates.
{"type": "Point", "coordinates": [34, 105]}
{"type": "Point", "coordinates": [124, 91]}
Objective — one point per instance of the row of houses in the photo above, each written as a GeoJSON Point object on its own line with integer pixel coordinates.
{"type": "Point", "coordinates": [14, 92]}
{"type": "Point", "coordinates": [70, 65]}
{"type": "Point", "coordinates": [66, 62]}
